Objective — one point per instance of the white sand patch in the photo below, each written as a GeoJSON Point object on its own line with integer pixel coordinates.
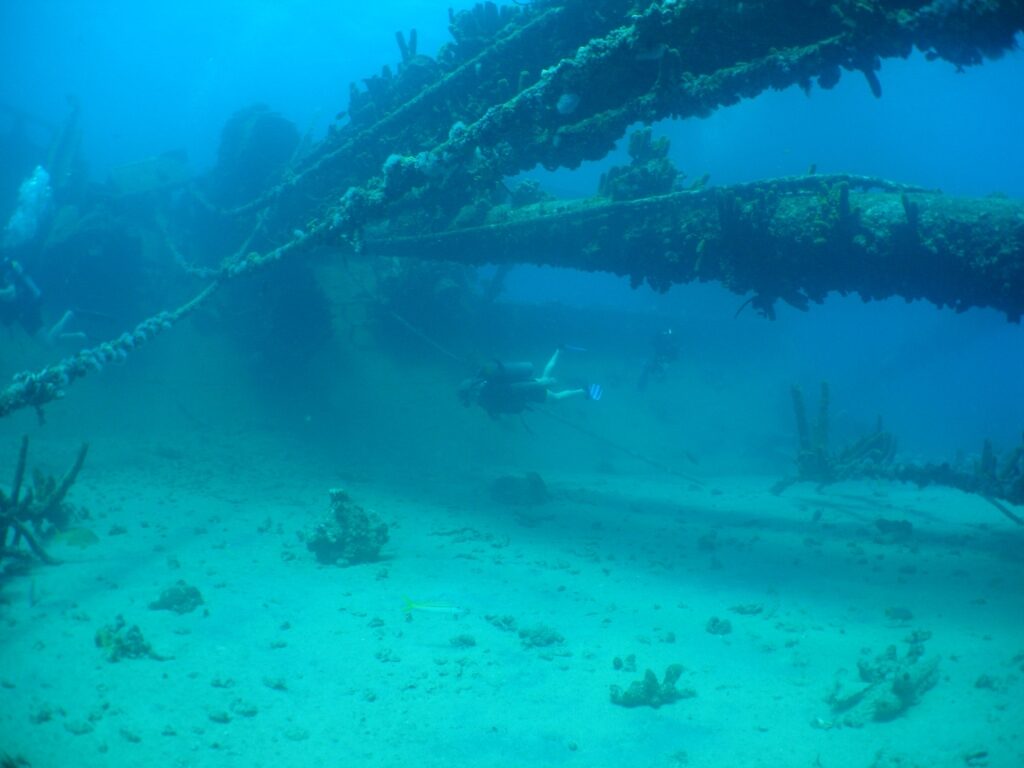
{"type": "Point", "coordinates": [291, 663]}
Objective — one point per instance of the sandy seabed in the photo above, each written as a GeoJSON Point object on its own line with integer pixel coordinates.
{"type": "Point", "coordinates": [292, 663]}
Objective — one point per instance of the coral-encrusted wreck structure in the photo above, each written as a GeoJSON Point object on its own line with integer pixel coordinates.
{"type": "Point", "coordinates": [419, 167]}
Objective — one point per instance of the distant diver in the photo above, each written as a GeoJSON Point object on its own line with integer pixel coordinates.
{"type": "Point", "coordinates": [665, 350]}
{"type": "Point", "coordinates": [21, 300]}
{"type": "Point", "coordinates": [20, 297]}
{"type": "Point", "coordinates": [510, 388]}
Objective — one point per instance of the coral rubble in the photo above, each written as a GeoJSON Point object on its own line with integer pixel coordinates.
{"type": "Point", "coordinates": [887, 687]}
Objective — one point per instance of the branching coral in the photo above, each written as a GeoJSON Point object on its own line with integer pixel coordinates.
{"type": "Point", "coordinates": [869, 456]}
{"type": "Point", "coordinates": [29, 514]}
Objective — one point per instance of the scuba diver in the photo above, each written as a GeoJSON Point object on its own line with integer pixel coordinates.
{"type": "Point", "coordinates": [512, 388]}
{"type": "Point", "coordinates": [20, 298]}
{"type": "Point", "coordinates": [666, 350]}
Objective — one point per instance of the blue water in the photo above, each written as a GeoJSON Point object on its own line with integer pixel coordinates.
{"type": "Point", "coordinates": [213, 446]}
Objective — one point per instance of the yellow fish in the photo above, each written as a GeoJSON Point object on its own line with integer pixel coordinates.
{"type": "Point", "coordinates": [431, 607]}
{"type": "Point", "coordinates": [76, 537]}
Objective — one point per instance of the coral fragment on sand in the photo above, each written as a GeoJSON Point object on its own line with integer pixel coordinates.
{"type": "Point", "coordinates": [350, 536]}
{"type": "Point", "coordinates": [650, 693]}
{"type": "Point", "coordinates": [888, 685]}
{"type": "Point", "coordinates": [119, 641]}
{"type": "Point", "coordinates": [179, 598]}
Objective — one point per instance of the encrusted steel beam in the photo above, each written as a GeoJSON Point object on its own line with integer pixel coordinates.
{"type": "Point", "coordinates": [668, 59]}
{"type": "Point", "coordinates": [791, 239]}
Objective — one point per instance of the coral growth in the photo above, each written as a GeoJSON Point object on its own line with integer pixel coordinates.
{"type": "Point", "coordinates": [869, 456]}
{"type": "Point", "coordinates": [119, 641]}
{"type": "Point", "coordinates": [352, 535]}
{"type": "Point", "coordinates": [36, 513]}
{"type": "Point", "coordinates": [539, 637]}
{"type": "Point", "coordinates": [179, 598]}
{"type": "Point", "coordinates": [991, 476]}
{"type": "Point", "coordinates": [649, 173]}
{"type": "Point", "coordinates": [887, 686]}
{"type": "Point", "coordinates": [650, 693]}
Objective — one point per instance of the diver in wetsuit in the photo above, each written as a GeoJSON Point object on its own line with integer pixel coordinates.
{"type": "Point", "coordinates": [512, 388]}
{"type": "Point", "coordinates": [666, 347]}
{"type": "Point", "coordinates": [20, 297]}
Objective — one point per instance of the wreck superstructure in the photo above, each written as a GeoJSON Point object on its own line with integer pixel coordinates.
{"type": "Point", "coordinates": [419, 166]}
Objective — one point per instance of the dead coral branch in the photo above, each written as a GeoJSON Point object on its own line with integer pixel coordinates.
{"type": "Point", "coordinates": [28, 515]}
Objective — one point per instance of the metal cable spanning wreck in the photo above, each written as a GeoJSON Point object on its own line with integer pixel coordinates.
{"type": "Point", "coordinates": [419, 167]}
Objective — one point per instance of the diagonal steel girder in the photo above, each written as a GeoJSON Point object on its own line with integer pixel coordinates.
{"type": "Point", "coordinates": [665, 59]}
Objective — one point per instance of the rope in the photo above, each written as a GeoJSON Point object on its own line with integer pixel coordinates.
{"type": "Point", "coordinates": [37, 388]}
{"type": "Point", "coordinates": [621, 448]}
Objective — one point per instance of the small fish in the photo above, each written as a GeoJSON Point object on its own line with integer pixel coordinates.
{"type": "Point", "coordinates": [76, 537]}
{"type": "Point", "coordinates": [428, 606]}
